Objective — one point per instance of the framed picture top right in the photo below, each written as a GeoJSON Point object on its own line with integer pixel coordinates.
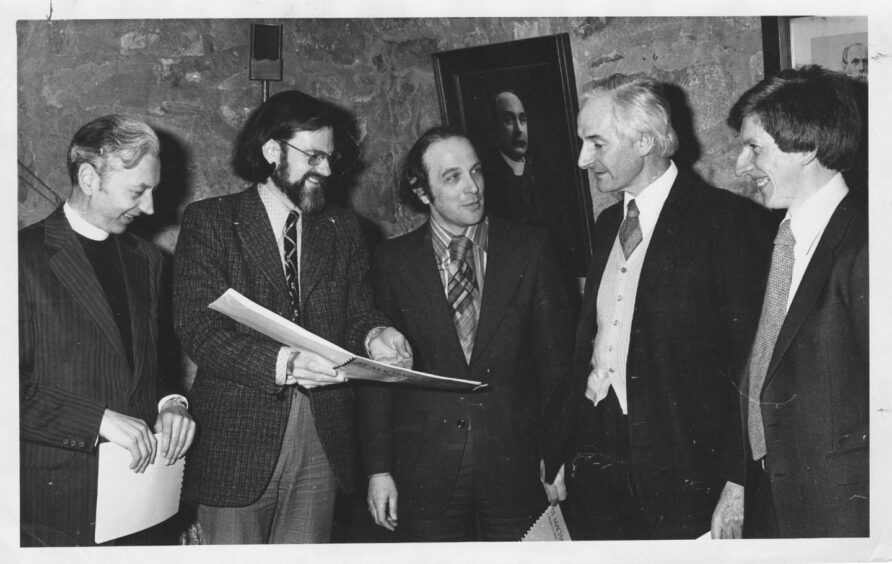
{"type": "Point", "coordinates": [836, 43]}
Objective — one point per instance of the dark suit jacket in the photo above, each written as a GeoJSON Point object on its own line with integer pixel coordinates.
{"type": "Point", "coordinates": [696, 310]}
{"type": "Point", "coordinates": [227, 242]}
{"type": "Point", "coordinates": [815, 404]}
{"type": "Point", "coordinates": [522, 350]}
{"type": "Point", "coordinates": [72, 366]}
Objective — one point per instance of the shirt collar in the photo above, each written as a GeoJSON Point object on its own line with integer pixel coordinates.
{"type": "Point", "coordinates": [813, 215]}
{"type": "Point", "coordinates": [517, 167]}
{"type": "Point", "coordinates": [651, 199]}
{"type": "Point", "coordinates": [81, 226]}
{"type": "Point", "coordinates": [478, 234]}
{"type": "Point", "coordinates": [276, 198]}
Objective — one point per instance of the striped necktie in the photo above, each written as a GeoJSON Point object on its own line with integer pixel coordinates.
{"type": "Point", "coordinates": [630, 230]}
{"type": "Point", "coordinates": [463, 294]}
{"type": "Point", "coordinates": [292, 268]}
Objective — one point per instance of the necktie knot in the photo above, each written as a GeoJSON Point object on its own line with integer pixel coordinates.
{"type": "Point", "coordinates": [458, 248]}
{"type": "Point", "coordinates": [784, 236]}
{"type": "Point", "coordinates": [632, 209]}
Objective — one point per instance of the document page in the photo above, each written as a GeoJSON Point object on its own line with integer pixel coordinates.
{"type": "Point", "coordinates": [127, 502]}
{"type": "Point", "coordinates": [274, 326]}
{"type": "Point", "coordinates": [550, 526]}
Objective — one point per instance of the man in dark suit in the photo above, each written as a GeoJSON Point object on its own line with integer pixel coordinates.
{"type": "Point", "coordinates": [478, 299]}
{"type": "Point", "coordinates": [88, 334]}
{"type": "Point", "coordinates": [671, 303]}
{"type": "Point", "coordinates": [805, 392]}
{"type": "Point", "coordinates": [277, 424]}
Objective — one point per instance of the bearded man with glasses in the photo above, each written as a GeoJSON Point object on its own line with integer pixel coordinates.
{"type": "Point", "coordinates": [278, 436]}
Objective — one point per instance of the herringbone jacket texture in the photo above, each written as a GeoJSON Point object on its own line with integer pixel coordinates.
{"type": "Point", "coordinates": [227, 242]}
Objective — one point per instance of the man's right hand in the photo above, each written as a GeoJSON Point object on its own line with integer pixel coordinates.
{"type": "Point", "coordinates": [311, 370]}
{"type": "Point", "coordinates": [382, 500]}
{"type": "Point", "coordinates": [132, 434]}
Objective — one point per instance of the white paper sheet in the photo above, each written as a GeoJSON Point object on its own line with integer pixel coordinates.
{"type": "Point", "coordinates": [255, 316]}
{"type": "Point", "coordinates": [550, 526]}
{"type": "Point", "coordinates": [127, 502]}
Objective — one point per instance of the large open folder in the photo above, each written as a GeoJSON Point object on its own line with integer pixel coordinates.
{"type": "Point", "coordinates": [276, 327]}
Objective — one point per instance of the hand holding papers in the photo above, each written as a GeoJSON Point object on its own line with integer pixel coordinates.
{"type": "Point", "coordinates": [128, 502]}
{"type": "Point", "coordinates": [245, 311]}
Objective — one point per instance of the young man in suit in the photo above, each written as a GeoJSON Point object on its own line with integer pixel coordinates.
{"type": "Point", "coordinates": [805, 392]}
{"type": "Point", "coordinates": [481, 299]}
{"type": "Point", "coordinates": [88, 334]}
{"type": "Point", "coordinates": [277, 435]}
{"type": "Point", "coordinates": [671, 303]}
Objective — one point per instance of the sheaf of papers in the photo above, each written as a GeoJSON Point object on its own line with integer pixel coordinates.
{"type": "Point", "coordinates": [127, 502]}
{"type": "Point", "coordinates": [550, 526]}
{"type": "Point", "coordinates": [255, 316]}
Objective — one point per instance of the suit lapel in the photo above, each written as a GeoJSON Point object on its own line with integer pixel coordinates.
{"type": "Point", "coordinates": [812, 283]}
{"type": "Point", "coordinates": [74, 271]}
{"type": "Point", "coordinates": [316, 251]}
{"type": "Point", "coordinates": [258, 241]}
{"type": "Point", "coordinates": [663, 237]}
{"type": "Point", "coordinates": [425, 292]}
{"type": "Point", "coordinates": [605, 236]}
{"type": "Point", "coordinates": [504, 268]}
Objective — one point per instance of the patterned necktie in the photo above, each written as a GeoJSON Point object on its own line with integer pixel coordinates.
{"type": "Point", "coordinates": [462, 293]}
{"type": "Point", "coordinates": [292, 270]}
{"type": "Point", "coordinates": [774, 309]}
{"type": "Point", "coordinates": [630, 230]}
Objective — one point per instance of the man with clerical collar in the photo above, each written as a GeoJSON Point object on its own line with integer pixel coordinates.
{"type": "Point", "coordinates": [481, 299]}
{"type": "Point", "coordinates": [278, 437]}
{"type": "Point", "coordinates": [88, 359]}
{"type": "Point", "coordinates": [514, 190]}
{"type": "Point", "coordinates": [804, 394]}
{"type": "Point", "coordinates": [670, 306]}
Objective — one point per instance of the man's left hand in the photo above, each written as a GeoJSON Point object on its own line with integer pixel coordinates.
{"type": "Point", "coordinates": [389, 346]}
{"type": "Point", "coordinates": [177, 430]}
{"type": "Point", "coordinates": [727, 519]}
{"type": "Point", "coordinates": [557, 491]}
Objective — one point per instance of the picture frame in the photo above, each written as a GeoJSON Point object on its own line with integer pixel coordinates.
{"type": "Point", "coordinates": [793, 41]}
{"type": "Point", "coordinates": [539, 72]}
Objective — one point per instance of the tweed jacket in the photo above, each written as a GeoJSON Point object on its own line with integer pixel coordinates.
{"type": "Point", "coordinates": [227, 242]}
{"type": "Point", "coordinates": [73, 366]}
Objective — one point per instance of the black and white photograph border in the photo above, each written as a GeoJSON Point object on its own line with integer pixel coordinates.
{"type": "Point", "coordinates": [878, 547]}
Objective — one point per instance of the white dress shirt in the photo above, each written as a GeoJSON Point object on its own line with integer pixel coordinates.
{"type": "Point", "coordinates": [808, 225]}
{"type": "Point", "coordinates": [617, 293]}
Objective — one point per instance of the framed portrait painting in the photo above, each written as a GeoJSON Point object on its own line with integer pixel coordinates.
{"type": "Point", "coordinates": [517, 102]}
{"type": "Point", "coordinates": [837, 43]}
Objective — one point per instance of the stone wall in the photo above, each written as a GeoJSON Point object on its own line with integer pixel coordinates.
{"type": "Point", "coordinates": [189, 79]}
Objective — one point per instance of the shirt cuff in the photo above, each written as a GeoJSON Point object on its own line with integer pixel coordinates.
{"type": "Point", "coordinates": [172, 396]}
{"type": "Point", "coordinates": [282, 365]}
{"type": "Point", "coordinates": [371, 335]}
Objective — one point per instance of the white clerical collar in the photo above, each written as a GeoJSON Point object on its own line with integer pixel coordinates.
{"type": "Point", "coordinates": [81, 226]}
{"type": "Point", "coordinates": [516, 166]}
{"type": "Point", "coordinates": [651, 199]}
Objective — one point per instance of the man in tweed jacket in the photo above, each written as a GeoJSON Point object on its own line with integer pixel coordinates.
{"type": "Point", "coordinates": [277, 437]}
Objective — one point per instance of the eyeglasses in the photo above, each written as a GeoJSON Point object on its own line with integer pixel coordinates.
{"type": "Point", "coordinates": [316, 157]}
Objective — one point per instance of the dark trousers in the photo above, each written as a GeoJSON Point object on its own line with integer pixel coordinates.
{"type": "Point", "coordinates": [603, 500]}
{"type": "Point", "coordinates": [759, 517]}
{"type": "Point", "coordinates": [470, 516]}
